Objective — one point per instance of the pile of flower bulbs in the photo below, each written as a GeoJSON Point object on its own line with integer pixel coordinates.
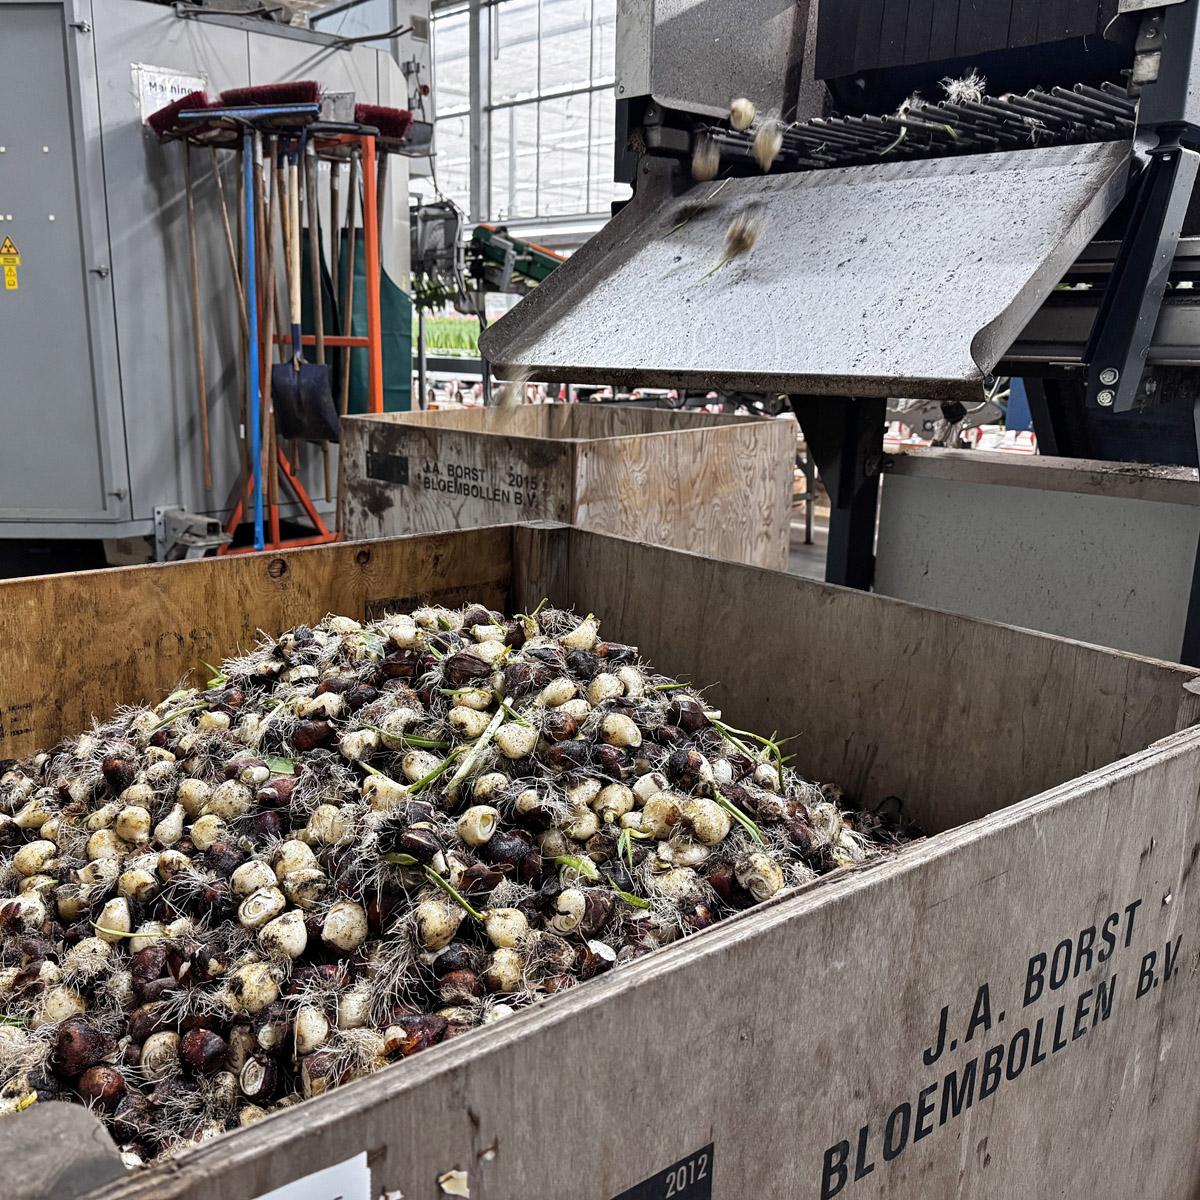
{"type": "Point", "coordinates": [359, 841]}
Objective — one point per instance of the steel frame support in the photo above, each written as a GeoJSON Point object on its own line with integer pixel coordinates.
{"type": "Point", "coordinates": [1189, 652]}
{"type": "Point", "coordinates": [479, 93]}
{"type": "Point", "coordinates": [1168, 46]}
{"type": "Point", "coordinates": [1120, 341]}
{"type": "Point", "coordinates": [1057, 410]}
{"type": "Point", "coordinates": [179, 534]}
{"type": "Point", "coordinates": [422, 361]}
{"type": "Point", "coordinates": [845, 439]}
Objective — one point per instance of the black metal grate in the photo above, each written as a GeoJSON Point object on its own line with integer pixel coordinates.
{"type": "Point", "coordinates": [1037, 118]}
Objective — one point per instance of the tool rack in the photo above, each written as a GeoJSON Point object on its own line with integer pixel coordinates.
{"type": "Point", "coordinates": [243, 129]}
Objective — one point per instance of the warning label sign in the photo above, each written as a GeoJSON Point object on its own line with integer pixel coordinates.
{"type": "Point", "coordinates": [10, 260]}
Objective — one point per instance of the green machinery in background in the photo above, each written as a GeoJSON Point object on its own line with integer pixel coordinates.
{"type": "Point", "coordinates": [506, 263]}
{"type": "Point", "coordinates": [448, 268]}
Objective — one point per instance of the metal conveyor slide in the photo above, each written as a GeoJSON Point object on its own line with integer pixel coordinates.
{"type": "Point", "coordinates": [904, 279]}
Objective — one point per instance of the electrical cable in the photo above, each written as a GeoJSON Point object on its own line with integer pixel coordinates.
{"type": "Point", "coordinates": [398, 32]}
{"type": "Point", "coordinates": [263, 10]}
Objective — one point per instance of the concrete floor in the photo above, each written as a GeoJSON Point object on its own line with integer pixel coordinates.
{"type": "Point", "coordinates": [808, 561]}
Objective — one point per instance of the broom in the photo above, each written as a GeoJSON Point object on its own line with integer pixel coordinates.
{"type": "Point", "coordinates": [268, 95]}
{"type": "Point", "coordinates": [393, 125]}
{"type": "Point", "coordinates": [166, 123]}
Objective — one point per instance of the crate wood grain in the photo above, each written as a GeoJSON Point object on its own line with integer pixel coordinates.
{"type": "Point", "coordinates": [80, 644]}
{"type": "Point", "coordinates": [954, 715]}
{"type": "Point", "coordinates": [716, 485]}
{"type": "Point", "coordinates": [886, 698]}
{"type": "Point", "coordinates": [1008, 1008]}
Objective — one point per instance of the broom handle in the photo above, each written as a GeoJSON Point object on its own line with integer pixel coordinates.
{"type": "Point", "coordinates": [314, 250]}
{"type": "Point", "coordinates": [282, 310]}
{"type": "Point", "coordinates": [272, 437]}
{"type": "Point", "coordinates": [280, 181]}
{"type": "Point", "coordinates": [348, 300]}
{"type": "Point", "coordinates": [252, 189]}
{"type": "Point", "coordinates": [288, 232]}
{"type": "Point", "coordinates": [229, 246]}
{"type": "Point", "coordinates": [294, 251]}
{"type": "Point", "coordinates": [314, 271]}
{"type": "Point", "coordinates": [295, 216]}
{"type": "Point", "coordinates": [241, 241]}
{"type": "Point", "coordinates": [260, 250]}
{"type": "Point", "coordinates": [197, 326]}
{"type": "Point", "coordinates": [381, 195]}
{"type": "Point", "coordinates": [335, 223]}
{"type": "Point", "coordinates": [269, 305]}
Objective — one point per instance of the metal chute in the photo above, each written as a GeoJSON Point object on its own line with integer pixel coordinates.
{"type": "Point", "coordinates": [901, 279]}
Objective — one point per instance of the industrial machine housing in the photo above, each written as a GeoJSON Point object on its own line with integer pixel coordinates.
{"type": "Point", "coordinates": [912, 238]}
{"type": "Point", "coordinates": [100, 427]}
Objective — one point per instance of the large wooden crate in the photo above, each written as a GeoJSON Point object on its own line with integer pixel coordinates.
{"type": "Point", "coordinates": [1075, 547]}
{"type": "Point", "coordinates": [718, 485]}
{"type": "Point", "coordinates": [797, 1049]}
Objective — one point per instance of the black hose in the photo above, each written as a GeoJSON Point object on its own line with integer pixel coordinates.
{"type": "Point", "coordinates": [398, 31]}
{"type": "Point", "coordinates": [263, 10]}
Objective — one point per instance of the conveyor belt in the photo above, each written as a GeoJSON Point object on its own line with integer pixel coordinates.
{"type": "Point", "coordinates": [1055, 118]}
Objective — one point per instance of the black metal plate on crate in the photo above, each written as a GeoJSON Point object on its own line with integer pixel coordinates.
{"type": "Point", "coordinates": [688, 1179]}
{"type": "Point", "coordinates": [389, 468]}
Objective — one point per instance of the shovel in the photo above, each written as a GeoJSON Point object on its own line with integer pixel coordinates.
{"type": "Point", "coordinates": [302, 391]}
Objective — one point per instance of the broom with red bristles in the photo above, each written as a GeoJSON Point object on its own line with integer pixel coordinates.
{"type": "Point", "coordinates": [271, 95]}
{"type": "Point", "coordinates": [393, 125]}
{"type": "Point", "coordinates": [166, 123]}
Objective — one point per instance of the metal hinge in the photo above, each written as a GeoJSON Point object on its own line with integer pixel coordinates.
{"type": "Point", "coordinates": [180, 534]}
{"type": "Point", "coordinates": [82, 26]}
{"type": "Point", "coordinates": [1147, 53]}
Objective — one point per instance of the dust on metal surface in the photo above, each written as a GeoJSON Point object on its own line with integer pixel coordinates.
{"type": "Point", "coordinates": [703, 55]}
{"type": "Point", "coordinates": [902, 279]}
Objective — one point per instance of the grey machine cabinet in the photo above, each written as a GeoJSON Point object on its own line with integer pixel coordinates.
{"type": "Point", "coordinates": [99, 417]}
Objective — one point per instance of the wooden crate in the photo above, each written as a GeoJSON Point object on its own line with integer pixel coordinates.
{"type": "Point", "coordinates": [720, 486]}
{"type": "Point", "coordinates": [795, 1050]}
{"type": "Point", "coordinates": [1076, 547]}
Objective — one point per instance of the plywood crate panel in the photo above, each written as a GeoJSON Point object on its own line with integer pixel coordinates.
{"type": "Point", "coordinates": [712, 484]}
{"type": "Point", "coordinates": [1007, 1008]}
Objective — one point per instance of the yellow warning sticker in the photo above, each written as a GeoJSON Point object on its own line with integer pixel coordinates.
{"type": "Point", "coordinates": [10, 279]}
{"type": "Point", "coordinates": [10, 256]}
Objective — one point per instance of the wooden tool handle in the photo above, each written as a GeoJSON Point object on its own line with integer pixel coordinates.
{"type": "Point", "coordinates": [294, 239]}
{"type": "Point", "coordinates": [197, 324]}
{"type": "Point", "coordinates": [229, 244]}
